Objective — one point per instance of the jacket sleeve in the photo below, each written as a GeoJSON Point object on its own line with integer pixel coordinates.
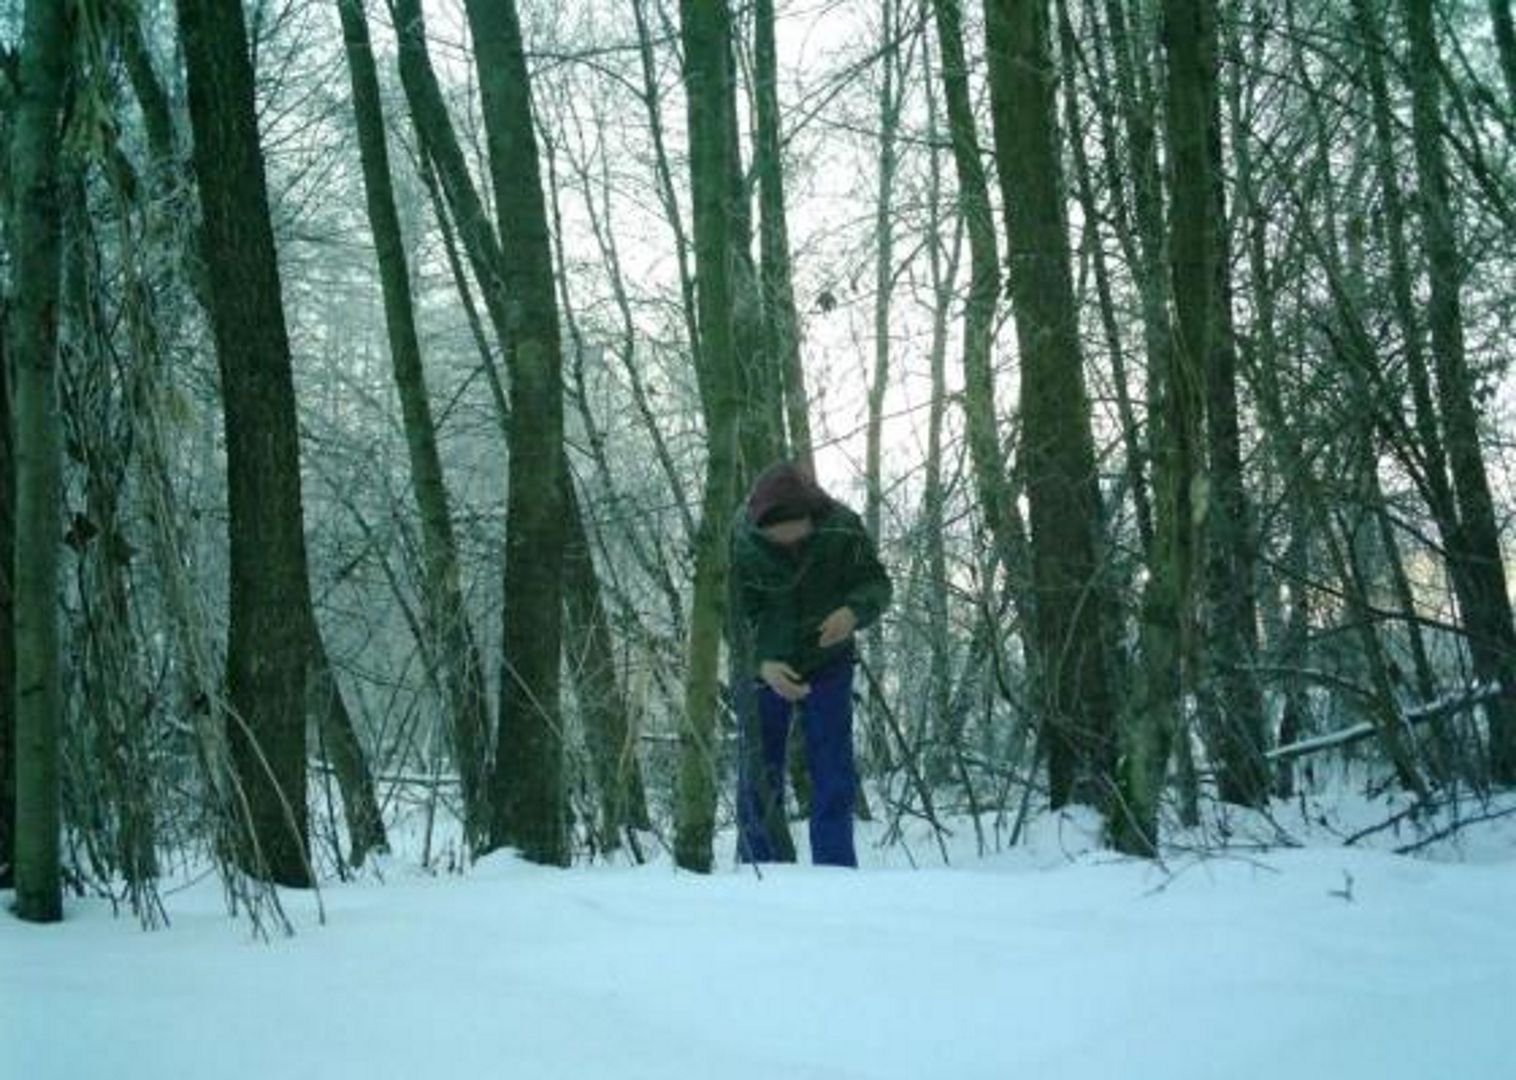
{"type": "Point", "coordinates": [870, 590]}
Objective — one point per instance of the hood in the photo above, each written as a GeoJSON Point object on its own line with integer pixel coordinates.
{"type": "Point", "coordinates": [782, 492]}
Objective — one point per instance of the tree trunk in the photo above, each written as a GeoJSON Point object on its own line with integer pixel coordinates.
{"type": "Point", "coordinates": [705, 30]}
{"type": "Point", "coordinates": [1231, 708]}
{"type": "Point", "coordinates": [781, 324]}
{"type": "Point", "coordinates": [462, 674]}
{"type": "Point", "coordinates": [1057, 446]}
{"type": "Point", "coordinates": [38, 446]}
{"type": "Point", "coordinates": [340, 746]}
{"type": "Point", "coordinates": [7, 598]}
{"type": "Point", "coordinates": [984, 282]}
{"type": "Point", "coordinates": [891, 95]}
{"type": "Point", "coordinates": [439, 144]}
{"type": "Point", "coordinates": [269, 642]}
{"type": "Point", "coordinates": [664, 174]}
{"type": "Point", "coordinates": [1505, 44]}
{"type": "Point", "coordinates": [943, 719]}
{"type": "Point", "coordinates": [528, 786]}
{"type": "Point", "coordinates": [1475, 548]}
{"type": "Point", "coordinates": [590, 655]}
{"type": "Point", "coordinates": [7, 506]}
{"type": "Point", "coordinates": [1084, 185]}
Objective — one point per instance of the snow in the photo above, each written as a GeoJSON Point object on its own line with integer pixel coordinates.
{"type": "Point", "coordinates": [1054, 959]}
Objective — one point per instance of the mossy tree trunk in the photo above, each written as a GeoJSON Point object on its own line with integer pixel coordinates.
{"type": "Point", "coordinates": [705, 30]}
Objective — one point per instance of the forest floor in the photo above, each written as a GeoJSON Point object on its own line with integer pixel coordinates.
{"type": "Point", "coordinates": [1283, 954]}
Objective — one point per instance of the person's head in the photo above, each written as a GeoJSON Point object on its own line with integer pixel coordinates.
{"type": "Point", "coordinates": [784, 502]}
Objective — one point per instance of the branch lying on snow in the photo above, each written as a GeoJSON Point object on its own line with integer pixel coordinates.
{"type": "Point", "coordinates": [1440, 709]}
{"type": "Point", "coordinates": [1449, 830]}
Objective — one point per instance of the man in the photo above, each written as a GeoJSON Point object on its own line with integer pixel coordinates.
{"type": "Point", "coordinates": [807, 578]}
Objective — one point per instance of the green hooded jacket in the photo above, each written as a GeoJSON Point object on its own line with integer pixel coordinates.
{"type": "Point", "coordinates": [786, 594]}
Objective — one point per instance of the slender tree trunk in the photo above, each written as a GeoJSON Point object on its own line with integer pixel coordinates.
{"type": "Point", "coordinates": [663, 172]}
{"type": "Point", "coordinates": [944, 720]}
{"type": "Point", "coordinates": [984, 282]}
{"type": "Point", "coordinates": [1231, 707]}
{"type": "Point", "coordinates": [1486, 601]}
{"type": "Point", "coordinates": [608, 732]}
{"type": "Point", "coordinates": [7, 501]}
{"type": "Point", "coordinates": [33, 357]}
{"type": "Point", "coordinates": [1505, 44]}
{"type": "Point", "coordinates": [1057, 446]}
{"type": "Point", "coordinates": [340, 745]}
{"type": "Point", "coordinates": [760, 380]}
{"type": "Point", "coordinates": [1428, 456]}
{"type": "Point", "coordinates": [439, 143]}
{"type": "Point", "coordinates": [462, 674]}
{"type": "Point", "coordinates": [705, 29]}
{"type": "Point", "coordinates": [890, 97]}
{"type": "Point", "coordinates": [1136, 472]}
{"type": "Point", "coordinates": [7, 598]}
{"type": "Point", "coordinates": [780, 321]}
{"type": "Point", "coordinates": [1154, 721]}
{"type": "Point", "coordinates": [269, 640]}
{"type": "Point", "coordinates": [529, 794]}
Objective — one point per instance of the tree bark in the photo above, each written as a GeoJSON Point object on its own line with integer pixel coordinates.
{"type": "Point", "coordinates": [1505, 45]}
{"type": "Point", "coordinates": [462, 675]}
{"type": "Point", "coordinates": [781, 323]}
{"type": "Point", "coordinates": [891, 95]}
{"type": "Point", "coordinates": [984, 284]}
{"type": "Point", "coordinates": [7, 601]}
{"type": "Point", "coordinates": [340, 746]}
{"type": "Point", "coordinates": [608, 731]}
{"type": "Point", "coordinates": [269, 638]}
{"type": "Point", "coordinates": [7, 504]}
{"type": "Point", "coordinates": [1476, 546]}
{"type": "Point", "coordinates": [439, 143]}
{"type": "Point", "coordinates": [944, 720]}
{"type": "Point", "coordinates": [38, 446]}
{"type": "Point", "coordinates": [528, 786]}
{"type": "Point", "coordinates": [1057, 446]}
{"type": "Point", "coordinates": [705, 29]}
{"type": "Point", "coordinates": [1084, 186]}
{"type": "Point", "coordinates": [1231, 708]}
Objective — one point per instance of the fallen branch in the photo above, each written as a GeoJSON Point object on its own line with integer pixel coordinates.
{"type": "Point", "coordinates": [1436, 710]}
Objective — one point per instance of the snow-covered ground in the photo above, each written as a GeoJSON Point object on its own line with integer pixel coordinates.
{"type": "Point", "coordinates": [1053, 960]}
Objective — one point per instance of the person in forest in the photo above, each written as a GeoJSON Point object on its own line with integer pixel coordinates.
{"type": "Point", "coordinates": [807, 578]}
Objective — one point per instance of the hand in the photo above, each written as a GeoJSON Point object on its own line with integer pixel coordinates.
{"type": "Point", "coordinates": [783, 680]}
{"type": "Point", "coordinates": [837, 627]}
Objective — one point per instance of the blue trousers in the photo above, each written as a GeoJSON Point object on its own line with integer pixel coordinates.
{"type": "Point", "coordinates": [826, 716]}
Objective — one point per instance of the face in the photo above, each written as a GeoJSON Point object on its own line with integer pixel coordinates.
{"type": "Point", "coordinates": [786, 533]}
